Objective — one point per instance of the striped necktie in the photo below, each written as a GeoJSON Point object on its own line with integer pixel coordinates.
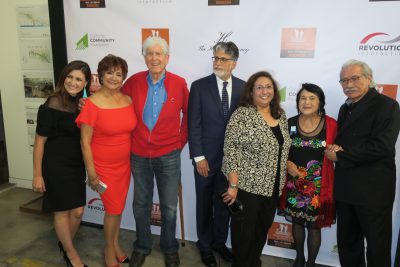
{"type": "Point", "coordinates": [225, 100]}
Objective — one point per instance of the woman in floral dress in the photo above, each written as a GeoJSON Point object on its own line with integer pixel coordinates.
{"type": "Point", "coordinates": [307, 200]}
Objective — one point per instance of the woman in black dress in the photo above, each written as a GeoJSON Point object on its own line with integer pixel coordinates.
{"type": "Point", "coordinates": [58, 167]}
{"type": "Point", "coordinates": [307, 199]}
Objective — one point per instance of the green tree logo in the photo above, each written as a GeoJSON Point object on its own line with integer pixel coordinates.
{"type": "Point", "coordinates": [282, 94]}
{"type": "Point", "coordinates": [83, 43]}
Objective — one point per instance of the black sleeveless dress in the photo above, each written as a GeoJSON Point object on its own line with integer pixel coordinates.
{"type": "Point", "coordinates": [63, 168]}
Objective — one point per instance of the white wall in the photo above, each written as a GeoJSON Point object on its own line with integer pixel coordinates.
{"type": "Point", "coordinates": [12, 94]}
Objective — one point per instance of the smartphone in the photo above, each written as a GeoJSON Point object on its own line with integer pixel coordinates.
{"type": "Point", "coordinates": [101, 187]}
{"type": "Point", "coordinates": [236, 207]}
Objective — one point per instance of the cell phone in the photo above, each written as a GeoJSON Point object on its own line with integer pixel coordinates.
{"type": "Point", "coordinates": [236, 207]}
{"type": "Point", "coordinates": [101, 187]}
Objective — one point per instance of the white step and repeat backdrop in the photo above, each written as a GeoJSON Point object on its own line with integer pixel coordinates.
{"type": "Point", "coordinates": [297, 40]}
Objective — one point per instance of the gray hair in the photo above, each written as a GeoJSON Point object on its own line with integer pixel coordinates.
{"type": "Point", "coordinates": [366, 70]}
{"type": "Point", "coordinates": [155, 40]}
{"type": "Point", "coordinates": [228, 48]}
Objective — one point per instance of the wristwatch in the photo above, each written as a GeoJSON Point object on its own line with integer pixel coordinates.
{"type": "Point", "coordinates": [233, 186]}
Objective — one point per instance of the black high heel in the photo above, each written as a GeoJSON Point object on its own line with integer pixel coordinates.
{"type": "Point", "coordinates": [65, 256]}
{"type": "Point", "coordinates": [68, 261]}
{"type": "Point", "coordinates": [60, 245]}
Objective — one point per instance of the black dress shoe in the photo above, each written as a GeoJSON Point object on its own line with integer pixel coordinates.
{"type": "Point", "coordinates": [137, 259]}
{"type": "Point", "coordinates": [224, 253]}
{"type": "Point", "coordinates": [208, 259]}
{"type": "Point", "coordinates": [171, 259]}
{"type": "Point", "coordinates": [299, 262]}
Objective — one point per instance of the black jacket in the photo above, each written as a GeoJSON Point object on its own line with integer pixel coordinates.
{"type": "Point", "coordinates": [365, 172]}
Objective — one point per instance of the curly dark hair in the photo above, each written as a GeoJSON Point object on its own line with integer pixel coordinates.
{"type": "Point", "coordinates": [110, 62]}
{"type": "Point", "coordinates": [246, 99]}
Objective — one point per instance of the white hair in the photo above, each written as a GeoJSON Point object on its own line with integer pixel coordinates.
{"type": "Point", "coordinates": [155, 40]}
{"type": "Point", "coordinates": [366, 70]}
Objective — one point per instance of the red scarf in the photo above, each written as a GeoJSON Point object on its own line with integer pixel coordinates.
{"type": "Point", "coordinates": [326, 215]}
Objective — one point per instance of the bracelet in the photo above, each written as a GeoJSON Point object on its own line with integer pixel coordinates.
{"type": "Point", "coordinates": [233, 186]}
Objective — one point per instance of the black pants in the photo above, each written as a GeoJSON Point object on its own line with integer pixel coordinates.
{"type": "Point", "coordinates": [249, 228]}
{"type": "Point", "coordinates": [212, 214]}
{"type": "Point", "coordinates": [356, 222]}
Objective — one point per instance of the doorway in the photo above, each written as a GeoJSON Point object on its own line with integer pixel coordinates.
{"type": "Point", "coordinates": [3, 151]}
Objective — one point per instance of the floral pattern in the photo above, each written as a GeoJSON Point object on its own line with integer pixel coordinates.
{"type": "Point", "coordinates": [303, 191]}
{"type": "Point", "coordinates": [252, 151]}
{"type": "Point", "coordinates": [313, 143]}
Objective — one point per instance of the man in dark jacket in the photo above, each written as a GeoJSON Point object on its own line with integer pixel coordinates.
{"type": "Point", "coordinates": [211, 102]}
{"type": "Point", "coordinates": [365, 174]}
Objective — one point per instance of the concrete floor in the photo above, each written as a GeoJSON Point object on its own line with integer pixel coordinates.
{"type": "Point", "coordinates": [28, 240]}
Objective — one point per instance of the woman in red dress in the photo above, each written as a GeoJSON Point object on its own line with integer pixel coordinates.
{"type": "Point", "coordinates": [107, 121]}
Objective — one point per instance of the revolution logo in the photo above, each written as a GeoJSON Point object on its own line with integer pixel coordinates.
{"type": "Point", "coordinates": [95, 205]}
{"type": "Point", "coordinates": [379, 44]}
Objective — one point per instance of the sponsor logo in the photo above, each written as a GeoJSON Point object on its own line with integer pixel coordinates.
{"type": "Point", "coordinates": [280, 235]}
{"type": "Point", "coordinates": [379, 44]}
{"type": "Point", "coordinates": [154, 2]}
{"type": "Point", "coordinates": [389, 90]}
{"type": "Point", "coordinates": [282, 94]}
{"type": "Point", "coordinates": [155, 32]}
{"type": "Point", "coordinates": [155, 215]}
{"type": "Point", "coordinates": [93, 40]}
{"type": "Point", "coordinates": [93, 3]}
{"type": "Point", "coordinates": [223, 2]}
{"type": "Point", "coordinates": [95, 205]}
{"type": "Point", "coordinates": [298, 42]}
{"type": "Point", "coordinates": [222, 37]}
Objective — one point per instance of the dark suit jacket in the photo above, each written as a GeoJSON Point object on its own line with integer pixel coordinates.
{"type": "Point", "coordinates": [365, 173]}
{"type": "Point", "coordinates": [206, 121]}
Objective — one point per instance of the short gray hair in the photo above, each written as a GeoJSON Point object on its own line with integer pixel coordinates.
{"type": "Point", "coordinates": [229, 48]}
{"type": "Point", "coordinates": [155, 40]}
{"type": "Point", "coordinates": [366, 70]}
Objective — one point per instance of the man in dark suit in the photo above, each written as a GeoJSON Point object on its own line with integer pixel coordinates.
{"type": "Point", "coordinates": [365, 174]}
{"type": "Point", "coordinates": [211, 102]}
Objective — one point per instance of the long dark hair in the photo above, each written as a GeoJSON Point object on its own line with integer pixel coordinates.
{"type": "Point", "coordinates": [247, 96]}
{"type": "Point", "coordinates": [316, 90]}
{"type": "Point", "coordinates": [60, 92]}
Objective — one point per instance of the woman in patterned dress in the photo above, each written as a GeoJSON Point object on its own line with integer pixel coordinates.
{"type": "Point", "coordinates": [255, 154]}
{"type": "Point", "coordinates": [307, 197]}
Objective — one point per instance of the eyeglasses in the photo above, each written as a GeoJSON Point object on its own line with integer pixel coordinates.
{"type": "Point", "coordinates": [260, 87]}
{"type": "Point", "coordinates": [353, 79]}
{"type": "Point", "coordinates": [221, 59]}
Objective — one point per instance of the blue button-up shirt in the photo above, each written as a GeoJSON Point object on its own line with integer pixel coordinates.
{"type": "Point", "coordinates": [156, 97]}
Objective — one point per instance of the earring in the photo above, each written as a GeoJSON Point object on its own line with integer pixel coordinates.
{"type": "Point", "coordinates": [84, 93]}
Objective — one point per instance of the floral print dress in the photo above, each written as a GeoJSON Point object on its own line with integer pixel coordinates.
{"type": "Point", "coordinates": [302, 192]}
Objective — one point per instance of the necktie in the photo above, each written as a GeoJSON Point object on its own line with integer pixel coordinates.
{"type": "Point", "coordinates": [225, 100]}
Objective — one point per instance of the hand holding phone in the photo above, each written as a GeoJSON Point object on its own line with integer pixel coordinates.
{"type": "Point", "coordinates": [236, 207]}
{"type": "Point", "coordinates": [101, 187]}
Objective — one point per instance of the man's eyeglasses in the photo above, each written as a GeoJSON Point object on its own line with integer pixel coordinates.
{"type": "Point", "coordinates": [353, 79]}
{"type": "Point", "coordinates": [260, 87]}
{"type": "Point", "coordinates": [221, 59]}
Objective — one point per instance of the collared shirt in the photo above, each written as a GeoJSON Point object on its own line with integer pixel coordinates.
{"type": "Point", "coordinates": [156, 97]}
{"type": "Point", "coordinates": [220, 83]}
